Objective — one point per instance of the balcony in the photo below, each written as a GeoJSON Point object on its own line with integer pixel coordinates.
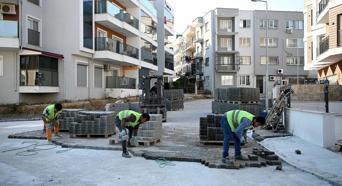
{"type": "Point", "coordinates": [112, 16]}
{"type": "Point", "coordinates": [149, 6]}
{"type": "Point", "coordinates": [220, 67]}
{"type": "Point", "coordinates": [323, 12]}
{"type": "Point", "coordinates": [323, 46]}
{"type": "Point", "coordinates": [33, 37]}
{"type": "Point", "coordinates": [9, 34]}
{"type": "Point", "coordinates": [226, 50]}
{"type": "Point", "coordinates": [326, 55]}
{"type": "Point", "coordinates": [148, 56]}
{"type": "Point", "coordinates": [113, 50]}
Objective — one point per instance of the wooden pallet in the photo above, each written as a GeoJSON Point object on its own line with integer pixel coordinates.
{"type": "Point", "coordinates": [90, 135]}
{"type": "Point", "coordinates": [147, 143]}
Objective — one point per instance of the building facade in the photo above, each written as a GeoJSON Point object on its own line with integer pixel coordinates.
{"type": "Point", "coordinates": [232, 43]}
{"type": "Point", "coordinates": [323, 39]}
{"type": "Point", "coordinates": [92, 50]}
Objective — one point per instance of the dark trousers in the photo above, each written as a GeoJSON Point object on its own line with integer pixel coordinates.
{"type": "Point", "coordinates": [228, 134]}
{"type": "Point", "coordinates": [130, 133]}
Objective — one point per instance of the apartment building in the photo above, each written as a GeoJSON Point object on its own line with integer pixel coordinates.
{"type": "Point", "coordinates": [232, 44]}
{"type": "Point", "coordinates": [81, 49]}
{"type": "Point", "coordinates": [323, 39]}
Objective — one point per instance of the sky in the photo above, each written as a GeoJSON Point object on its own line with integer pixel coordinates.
{"type": "Point", "coordinates": [187, 10]}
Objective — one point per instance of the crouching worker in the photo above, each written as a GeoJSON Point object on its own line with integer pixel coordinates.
{"type": "Point", "coordinates": [234, 123]}
{"type": "Point", "coordinates": [128, 122]}
{"type": "Point", "coordinates": [50, 119]}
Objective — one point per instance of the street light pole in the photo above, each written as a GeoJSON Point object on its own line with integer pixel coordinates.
{"type": "Point", "coordinates": [267, 24]}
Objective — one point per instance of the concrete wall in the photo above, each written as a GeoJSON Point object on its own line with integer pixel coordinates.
{"type": "Point", "coordinates": [122, 93]}
{"type": "Point", "coordinates": [334, 106]}
{"type": "Point", "coordinates": [316, 92]}
{"type": "Point", "coordinates": [9, 80]}
{"type": "Point", "coordinates": [208, 71]}
{"type": "Point", "coordinates": [315, 127]}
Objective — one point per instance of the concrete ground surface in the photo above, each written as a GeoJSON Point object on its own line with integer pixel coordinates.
{"type": "Point", "coordinates": [103, 167]}
{"type": "Point", "coordinates": [313, 159]}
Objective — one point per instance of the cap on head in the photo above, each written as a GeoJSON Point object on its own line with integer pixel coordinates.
{"type": "Point", "coordinates": [58, 106]}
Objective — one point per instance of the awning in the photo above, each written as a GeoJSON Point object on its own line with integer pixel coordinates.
{"type": "Point", "coordinates": [29, 51]}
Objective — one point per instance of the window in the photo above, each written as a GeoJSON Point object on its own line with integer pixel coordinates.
{"type": "Point", "coordinates": [206, 44]}
{"type": "Point", "coordinates": [98, 77]}
{"type": "Point", "coordinates": [245, 23]}
{"type": "Point", "coordinates": [88, 24]}
{"type": "Point", "coordinates": [227, 80]}
{"type": "Point", "coordinates": [293, 60]}
{"type": "Point", "coordinates": [245, 60]}
{"type": "Point", "coordinates": [226, 43]}
{"type": "Point", "coordinates": [272, 60]}
{"type": "Point", "coordinates": [294, 43]}
{"type": "Point", "coordinates": [1, 65]}
{"type": "Point", "coordinates": [33, 34]}
{"type": "Point", "coordinates": [272, 42]}
{"type": "Point", "coordinates": [226, 60]}
{"type": "Point", "coordinates": [295, 24]}
{"type": "Point", "coordinates": [206, 27]}
{"type": "Point", "coordinates": [34, 2]}
{"type": "Point", "coordinates": [226, 25]}
{"type": "Point", "coordinates": [244, 80]}
{"type": "Point", "coordinates": [339, 30]}
{"type": "Point", "coordinates": [206, 62]}
{"type": "Point", "coordinates": [82, 75]}
{"type": "Point", "coordinates": [272, 24]}
{"type": "Point", "coordinates": [245, 42]}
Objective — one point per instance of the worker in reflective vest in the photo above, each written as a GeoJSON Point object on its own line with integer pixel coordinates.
{"type": "Point", "coordinates": [50, 119]}
{"type": "Point", "coordinates": [130, 120]}
{"type": "Point", "coordinates": [234, 123]}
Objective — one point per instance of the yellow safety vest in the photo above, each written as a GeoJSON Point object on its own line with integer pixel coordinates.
{"type": "Point", "coordinates": [234, 118]}
{"type": "Point", "coordinates": [126, 113]}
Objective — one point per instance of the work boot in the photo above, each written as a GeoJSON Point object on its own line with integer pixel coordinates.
{"type": "Point", "coordinates": [126, 155]}
{"type": "Point", "coordinates": [241, 157]}
{"type": "Point", "coordinates": [226, 160]}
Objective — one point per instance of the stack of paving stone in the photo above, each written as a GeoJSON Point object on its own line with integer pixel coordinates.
{"type": "Point", "coordinates": [117, 107]}
{"type": "Point", "coordinates": [93, 123]}
{"type": "Point", "coordinates": [210, 128]}
{"type": "Point", "coordinates": [68, 116]}
{"type": "Point", "coordinates": [226, 99]}
{"type": "Point", "coordinates": [174, 99]}
{"type": "Point", "coordinates": [151, 130]}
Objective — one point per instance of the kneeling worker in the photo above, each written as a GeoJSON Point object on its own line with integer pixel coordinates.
{"type": "Point", "coordinates": [131, 120]}
{"type": "Point", "coordinates": [234, 123]}
{"type": "Point", "coordinates": [50, 119]}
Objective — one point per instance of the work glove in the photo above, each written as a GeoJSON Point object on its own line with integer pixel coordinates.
{"type": "Point", "coordinates": [123, 135]}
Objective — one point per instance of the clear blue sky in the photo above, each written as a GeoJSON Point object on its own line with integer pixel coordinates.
{"type": "Point", "coordinates": [187, 10]}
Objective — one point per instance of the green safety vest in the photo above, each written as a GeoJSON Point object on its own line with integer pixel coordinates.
{"type": "Point", "coordinates": [49, 112]}
{"type": "Point", "coordinates": [126, 113]}
{"type": "Point", "coordinates": [234, 118]}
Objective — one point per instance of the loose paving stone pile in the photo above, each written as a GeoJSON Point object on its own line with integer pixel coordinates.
{"type": "Point", "coordinates": [68, 116]}
{"type": "Point", "coordinates": [93, 123]}
{"type": "Point", "coordinates": [174, 99]}
{"type": "Point", "coordinates": [151, 131]}
{"type": "Point", "coordinates": [226, 99]}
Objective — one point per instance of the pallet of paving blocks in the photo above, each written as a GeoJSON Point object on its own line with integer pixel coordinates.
{"type": "Point", "coordinates": [93, 123]}
{"type": "Point", "coordinates": [174, 99]}
{"type": "Point", "coordinates": [67, 116]}
{"type": "Point", "coordinates": [226, 99]}
{"type": "Point", "coordinates": [150, 132]}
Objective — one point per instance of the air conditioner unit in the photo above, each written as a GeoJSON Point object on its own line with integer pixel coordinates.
{"type": "Point", "coordinates": [8, 9]}
{"type": "Point", "coordinates": [280, 71]}
{"type": "Point", "coordinates": [289, 30]}
{"type": "Point", "coordinates": [272, 78]}
{"type": "Point", "coordinates": [106, 67]}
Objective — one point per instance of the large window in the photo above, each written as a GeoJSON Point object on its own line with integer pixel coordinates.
{"type": "Point", "coordinates": [272, 42]}
{"type": "Point", "coordinates": [245, 80]}
{"type": "Point", "coordinates": [226, 25]}
{"type": "Point", "coordinates": [295, 60]}
{"type": "Point", "coordinates": [148, 26]}
{"type": "Point", "coordinates": [82, 75]}
{"type": "Point", "coordinates": [98, 77]}
{"type": "Point", "coordinates": [294, 43]}
{"type": "Point", "coordinates": [38, 71]}
{"type": "Point", "coordinates": [272, 60]}
{"type": "Point", "coordinates": [245, 60]}
{"type": "Point", "coordinates": [227, 80]}
{"type": "Point", "coordinates": [33, 34]}
{"type": "Point", "coordinates": [226, 60]}
{"type": "Point", "coordinates": [245, 42]}
{"type": "Point", "coordinates": [295, 24]}
{"type": "Point", "coordinates": [226, 43]}
{"type": "Point", "coordinates": [245, 23]}
{"type": "Point", "coordinates": [272, 23]}
{"type": "Point", "coordinates": [88, 24]}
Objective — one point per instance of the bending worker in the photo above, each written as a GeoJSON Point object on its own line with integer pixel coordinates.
{"type": "Point", "coordinates": [234, 123]}
{"type": "Point", "coordinates": [50, 119]}
{"type": "Point", "coordinates": [129, 120]}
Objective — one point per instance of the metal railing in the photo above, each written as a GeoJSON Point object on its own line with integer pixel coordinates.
{"type": "Point", "coordinates": [104, 43]}
{"type": "Point", "coordinates": [226, 67]}
{"type": "Point", "coordinates": [33, 37]}
{"type": "Point", "coordinates": [105, 6]}
{"type": "Point", "coordinates": [323, 46]}
{"type": "Point", "coordinates": [120, 82]}
{"type": "Point", "coordinates": [322, 5]}
{"type": "Point", "coordinates": [8, 29]}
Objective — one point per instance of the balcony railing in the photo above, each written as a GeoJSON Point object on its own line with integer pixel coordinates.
{"type": "Point", "coordinates": [8, 29]}
{"type": "Point", "coordinates": [226, 67]}
{"type": "Point", "coordinates": [103, 43]}
{"type": "Point", "coordinates": [169, 65]}
{"type": "Point", "coordinates": [147, 55]}
{"type": "Point", "coordinates": [323, 46]}
{"type": "Point", "coordinates": [322, 5]}
{"type": "Point", "coordinates": [33, 37]}
{"type": "Point", "coordinates": [148, 4]}
{"type": "Point", "coordinates": [105, 6]}
{"type": "Point", "coordinates": [120, 82]}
